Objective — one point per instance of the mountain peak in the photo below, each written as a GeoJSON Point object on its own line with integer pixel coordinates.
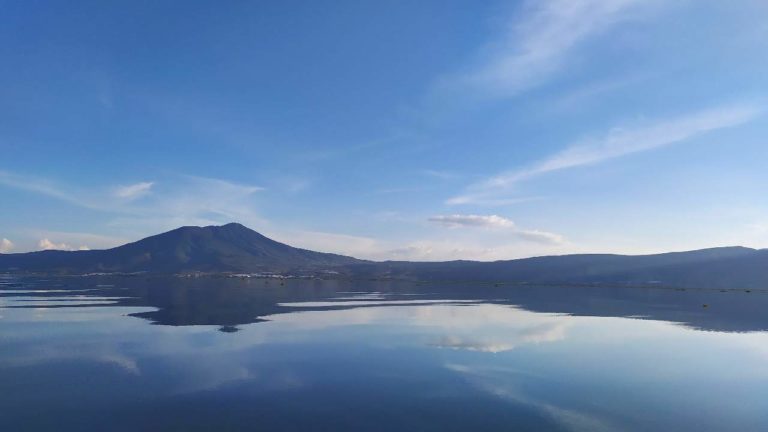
{"type": "Point", "coordinates": [232, 225]}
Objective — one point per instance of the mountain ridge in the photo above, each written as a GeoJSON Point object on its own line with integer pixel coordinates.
{"type": "Point", "coordinates": [234, 248]}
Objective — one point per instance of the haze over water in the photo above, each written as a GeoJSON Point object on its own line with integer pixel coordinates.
{"type": "Point", "coordinates": [227, 354]}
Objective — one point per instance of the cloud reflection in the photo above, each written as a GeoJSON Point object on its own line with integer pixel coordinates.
{"type": "Point", "coordinates": [547, 332]}
{"type": "Point", "coordinates": [455, 324]}
{"type": "Point", "coordinates": [502, 383]}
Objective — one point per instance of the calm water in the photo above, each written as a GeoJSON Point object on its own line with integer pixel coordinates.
{"type": "Point", "coordinates": [133, 354]}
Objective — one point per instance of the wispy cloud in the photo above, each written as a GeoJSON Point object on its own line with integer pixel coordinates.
{"type": "Point", "coordinates": [490, 201]}
{"type": "Point", "coordinates": [44, 187]}
{"type": "Point", "coordinates": [182, 196]}
{"type": "Point", "coordinates": [497, 222]}
{"type": "Point", "coordinates": [94, 198]}
{"type": "Point", "coordinates": [442, 175]}
{"type": "Point", "coordinates": [542, 237]}
{"type": "Point", "coordinates": [133, 191]}
{"type": "Point", "coordinates": [400, 190]}
{"type": "Point", "coordinates": [6, 245]}
{"type": "Point", "coordinates": [190, 200]}
{"type": "Point", "coordinates": [589, 91]}
{"type": "Point", "coordinates": [457, 221]}
{"type": "Point", "coordinates": [539, 41]}
{"type": "Point", "coordinates": [618, 142]}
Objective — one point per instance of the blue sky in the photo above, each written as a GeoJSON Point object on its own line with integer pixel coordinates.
{"type": "Point", "coordinates": [423, 130]}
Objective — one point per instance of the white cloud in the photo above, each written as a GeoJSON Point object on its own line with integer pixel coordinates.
{"type": "Point", "coordinates": [539, 41]}
{"type": "Point", "coordinates": [497, 222]}
{"type": "Point", "coordinates": [80, 238]}
{"type": "Point", "coordinates": [134, 191]}
{"type": "Point", "coordinates": [46, 244]}
{"type": "Point", "coordinates": [618, 142]}
{"type": "Point", "coordinates": [456, 221]}
{"type": "Point", "coordinates": [542, 237]}
{"type": "Point", "coordinates": [6, 245]}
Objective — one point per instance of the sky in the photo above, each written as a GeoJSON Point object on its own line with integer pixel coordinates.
{"type": "Point", "coordinates": [428, 130]}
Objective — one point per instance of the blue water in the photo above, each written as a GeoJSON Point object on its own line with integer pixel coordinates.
{"type": "Point", "coordinates": [132, 354]}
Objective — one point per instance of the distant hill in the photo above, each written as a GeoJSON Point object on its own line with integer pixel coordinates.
{"type": "Point", "coordinates": [725, 267]}
{"type": "Point", "coordinates": [233, 248]}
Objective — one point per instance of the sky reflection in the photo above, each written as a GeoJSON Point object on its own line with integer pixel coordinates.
{"type": "Point", "coordinates": [352, 361]}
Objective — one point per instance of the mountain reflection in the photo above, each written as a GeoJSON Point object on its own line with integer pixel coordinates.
{"type": "Point", "coordinates": [230, 303]}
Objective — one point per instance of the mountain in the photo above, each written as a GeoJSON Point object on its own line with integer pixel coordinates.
{"type": "Point", "coordinates": [226, 248]}
{"type": "Point", "coordinates": [725, 267]}
{"type": "Point", "coordinates": [233, 248]}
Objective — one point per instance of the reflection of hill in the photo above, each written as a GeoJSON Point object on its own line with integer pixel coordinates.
{"type": "Point", "coordinates": [231, 302]}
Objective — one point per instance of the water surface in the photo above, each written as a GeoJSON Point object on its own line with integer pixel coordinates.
{"type": "Point", "coordinates": [142, 353]}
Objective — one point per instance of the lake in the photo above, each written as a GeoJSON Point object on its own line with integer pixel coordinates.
{"type": "Point", "coordinates": [153, 353]}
